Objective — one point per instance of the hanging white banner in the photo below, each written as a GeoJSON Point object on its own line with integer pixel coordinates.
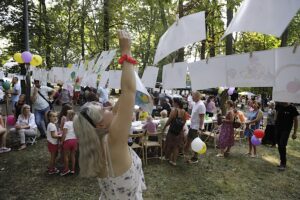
{"type": "Point", "coordinates": [174, 75]}
{"type": "Point", "coordinates": [287, 80]}
{"type": "Point", "coordinates": [104, 60]}
{"type": "Point", "coordinates": [186, 30]}
{"type": "Point", "coordinates": [103, 79]}
{"type": "Point", "coordinates": [264, 16]}
{"type": "Point", "coordinates": [209, 74]}
{"type": "Point", "coordinates": [257, 70]}
{"type": "Point", "coordinates": [150, 76]}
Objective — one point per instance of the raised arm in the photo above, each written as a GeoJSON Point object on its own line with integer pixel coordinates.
{"type": "Point", "coordinates": [121, 123]}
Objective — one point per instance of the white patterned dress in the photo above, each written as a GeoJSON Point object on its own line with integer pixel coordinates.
{"type": "Point", "coordinates": [129, 185]}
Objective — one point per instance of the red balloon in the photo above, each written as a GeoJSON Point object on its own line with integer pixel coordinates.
{"type": "Point", "coordinates": [259, 133]}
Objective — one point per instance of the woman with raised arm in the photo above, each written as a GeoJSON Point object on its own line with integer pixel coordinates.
{"type": "Point", "coordinates": [103, 136]}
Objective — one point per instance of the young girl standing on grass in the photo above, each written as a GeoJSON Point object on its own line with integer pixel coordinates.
{"type": "Point", "coordinates": [69, 143]}
{"type": "Point", "coordinates": [52, 138]}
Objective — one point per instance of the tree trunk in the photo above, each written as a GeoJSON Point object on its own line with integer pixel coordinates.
{"type": "Point", "coordinates": [148, 42]}
{"type": "Point", "coordinates": [67, 46]}
{"type": "Point", "coordinates": [83, 14]}
{"type": "Point", "coordinates": [40, 29]}
{"type": "Point", "coordinates": [203, 43]}
{"type": "Point", "coordinates": [229, 38]}
{"type": "Point", "coordinates": [180, 52]}
{"type": "Point", "coordinates": [47, 34]}
{"type": "Point", "coordinates": [229, 51]}
{"type": "Point", "coordinates": [212, 48]}
{"type": "Point", "coordinates": [106, 22]}
{"type": "Point", "coordinates": [162, 14]}
{"type": "Point", "coordinates": [284, 38]}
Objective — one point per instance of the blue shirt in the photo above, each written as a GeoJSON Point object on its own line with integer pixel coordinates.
{"type": "Point", "coordinates": [103, 94]}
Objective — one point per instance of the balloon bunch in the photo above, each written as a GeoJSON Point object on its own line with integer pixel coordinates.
{"type": "Point", "coordinates": [230, 90]}
{"type": "Point", "coordinates": [198, 146]}
{"type": "Point", "coordinates": [257, 136]}
{"type": "Point", "coordinates": [27, 57]}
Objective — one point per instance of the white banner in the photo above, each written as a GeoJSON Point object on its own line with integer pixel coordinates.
{"type": "Point", "coordinates": [208, 75]}
{"type": "Point", "coordinates": [264, 16]}
{"type": "Point", "coordinates": [103, 79]}
{"type": "Point", "coordinates": [104, 60]}
{"type": "Point", "coordinates": [115, 79]}
{"type": "Point", "coordinates": [257, 70]}
{"type": "Point", "coordinates": [287, 81]}
{"type": "Point", "coordinates": [150, 76]}
{"type": "Point", "coordinates": [187, 30]}
{"type": "Point", "coordinates": [174, 75]}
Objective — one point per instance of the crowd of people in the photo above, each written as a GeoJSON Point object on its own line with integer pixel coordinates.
{"type": "Point", "coordinates": [103, 128]}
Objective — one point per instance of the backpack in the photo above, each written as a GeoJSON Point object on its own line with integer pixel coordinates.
{"type": "Point", "coordinates": [236, 122]}
{"type": "Point", "coordinates": [176, 125]}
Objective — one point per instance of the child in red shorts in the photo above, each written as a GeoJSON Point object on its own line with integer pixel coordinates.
{"type": "Point", "coordinates": [69, 144]}
{"type": "Point", "coordinates": [52, 139]}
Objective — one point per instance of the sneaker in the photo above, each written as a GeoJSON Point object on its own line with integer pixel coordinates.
{"type": "Point", "coordinates": [193, 161]}
{"type": "Point", "coordinates": [172, 163]}
{"type": "Point", "coordinates": [22, 147]}
{"type": "Point", "coordinates": [72, 172]}
{"type": "Point", "coordinates": [5, 149]}
{"type": "Point", "coordinates": [254, 156]}
{"type": "Point", "coordinates": [281, 168]}
{"type": "Point", "coordinates": [53, 171]}
{"type": "Point", "coordinates": [65, 172]}
{"type": "Point", "coordinates": [164, 158]}
{"type": "Point", "coordinates": [220, 155]}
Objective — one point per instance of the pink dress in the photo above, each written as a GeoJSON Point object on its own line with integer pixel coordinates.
{"type": "Point", "coordinates": [226, 138]}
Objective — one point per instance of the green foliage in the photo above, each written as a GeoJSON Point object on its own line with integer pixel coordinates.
{"type": "Point", "coordinates": [55, 32]}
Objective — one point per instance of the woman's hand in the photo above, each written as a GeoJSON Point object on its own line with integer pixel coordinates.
{"type": "Point", "coordinates": [125, 42]}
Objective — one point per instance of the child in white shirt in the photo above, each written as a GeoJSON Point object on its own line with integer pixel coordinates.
{"type": "Point", "coordinates": [69, 144]}
{"type": "Point", "coordinates": [52, 138]}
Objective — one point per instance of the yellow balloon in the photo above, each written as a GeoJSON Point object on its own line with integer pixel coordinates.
{"type": "Point", "coordinates": [203, 150]}
{"type": "Point", "coordinates": [18, 58]}
{"type": "Point", "coordinates": [36, 60]}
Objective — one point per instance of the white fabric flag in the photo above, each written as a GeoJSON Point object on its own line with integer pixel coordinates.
{"type": "Point", "coordinates": [142, 97]}
{"type": "Point", "coordinates": [257, 70]}
{"type": "Point", "coordinates": [91, 80]}
{"type": "Point", "coordinates": [103, 79]}
{"type": "Point", "coordinates": [287, 81]}
{"type": "Point", "coordinates": [187, 30]}
{"type": "Point", "coordinates": [104, 60]}
{"type": "Point", "coordinates": [208, 75]}
{"type": "Point", "coordinates": [150, 76]}
{"type": "Point", "coordinates": [115, 79]}
{"type": "Point", "coordinates": [264, 16]}
{"type": "Point", "coordinates": [174, 75]}
{"type": "Point", "coordinates": [1, 74]}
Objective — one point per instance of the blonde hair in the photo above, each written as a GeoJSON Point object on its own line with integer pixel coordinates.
{"type": "Point", "coordinates": [92, 157]}
{"type": "Point", "coordinates": [70, 115]}
{"type": "Point", "coordinates": [164, 113]}
{"type": "Point", "coordinates": [24, 107]}
{"type": "Point", "coordinates": [198, 94]}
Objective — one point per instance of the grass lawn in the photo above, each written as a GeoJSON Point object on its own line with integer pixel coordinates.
{"type": "Point", "coordinates": [23, 176]}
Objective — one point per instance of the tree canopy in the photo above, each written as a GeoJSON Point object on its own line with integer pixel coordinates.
{"type": "Point", "coordinates": [65, 31]}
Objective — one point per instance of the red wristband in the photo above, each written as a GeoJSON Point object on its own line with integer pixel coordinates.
{"type": "Point", "coordinates": [127, 58]}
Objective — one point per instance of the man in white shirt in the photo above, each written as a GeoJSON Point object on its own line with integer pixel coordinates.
{"type": "Point", "coordinates": [103, 95]}
{"type": "Point", "coordinates": [39, 98]}
{"type": "Point", "coordinates": [15, 93]}
{"type": "Point", "coordinates": [197, 123]}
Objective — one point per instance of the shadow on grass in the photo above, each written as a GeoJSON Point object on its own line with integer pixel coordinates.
{"type": "Point", "coordinates": [23, 176]}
